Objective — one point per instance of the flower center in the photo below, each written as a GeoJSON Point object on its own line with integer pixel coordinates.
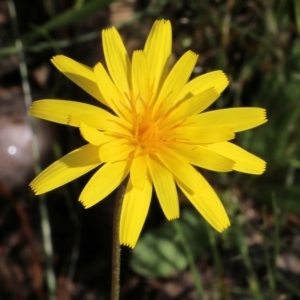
{"type": "Point", "coordinates": [147, 134]}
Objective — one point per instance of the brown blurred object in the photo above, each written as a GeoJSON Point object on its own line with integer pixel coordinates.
{"type": "Point", "coordinates": [16, 159]}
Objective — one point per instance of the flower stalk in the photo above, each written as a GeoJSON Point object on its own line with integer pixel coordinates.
{"type": "Point", "coordinates": [116, 246]}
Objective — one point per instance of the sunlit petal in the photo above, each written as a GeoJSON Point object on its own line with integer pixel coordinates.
{"type": "Point", "coordinates": [117, 60]}
{"type": "Point", "coordinates": [139, 167]}
{"type": "Point", "coordinates": [140, 80]}
{"type": "Point", "coordinates": [202, 157]}
{"type": "Point", "coordinates": [135, 207]}
{"type": "Point", "coordinates": [115, 150]}
{"type": "Point", "coordinates": [80, 74]}
{"type": "Point", "coordinates": [209, 206]}
{"type": "Point", "coordinates": [200, 135]}
{"type": "Point", "coordinates": [189, 107]}
{"type": "Point", "coordinates": [175, 81]}
{"type": "Point", "coordinates": [94, 136]}
{"type": "Point", "coordinates": [181, 169]}
{"type": "Point", "coordinates": [66, 169]}
{"type": "Point", "coordinates": [239, 118]}
{"type": "Point", "coordinates": [158, 51]}
{"type": "Point", "coordinates": [215, 79]}
{"type": "Point", "coordinates": [244, 161]}
{"type": "Point", "coordinates": [109, 123]}
{"type": "Point", "coordinates": [103, 182]}
{"type": "Point", "coordinates": [165, 189]}
{"type": "Point", "coordinates": [64, 111]}
{"type": "Point", "coordinates": [114, 99]}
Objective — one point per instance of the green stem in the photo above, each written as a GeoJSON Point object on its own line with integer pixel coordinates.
{"type": "Point", "coordinates": [116, 247]}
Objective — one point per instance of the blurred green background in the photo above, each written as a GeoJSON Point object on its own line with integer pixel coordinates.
{"type": "Point", "coordinates": [51, 248]}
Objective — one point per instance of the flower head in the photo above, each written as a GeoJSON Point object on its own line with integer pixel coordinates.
{"type": "Point", "coordinates": [155, 131]}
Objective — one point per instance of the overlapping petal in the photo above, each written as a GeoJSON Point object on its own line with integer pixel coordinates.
{"type": "Point", "coordinates": [117, 60]}
{"type": "Point", "coordinates": [109, 123]}
{"type": "Point", "coordinates": [215, 79]}
{"type": "Point", "coordinates": [79, 73]}
{"type": "Point", "coordinates": [189, 107]}
{"type": "Point", "coordinates": [94, 136]}
{"type": "Point", "coordinates": [140, 81]}
{"type": "Point", "coordinates": [116, 150]}
{"type": "Point", "coordinates": [174, 83]}
{"type": "Point", "coordinates": [113, 98]}
{"type": "Point", "coordinates": [209, 206]}
{"type": "Point", "coordinates": [181, 169]}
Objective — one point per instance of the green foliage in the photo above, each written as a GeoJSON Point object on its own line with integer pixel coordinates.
{"type": "Point", "coordinates": [69, 17]}
{"type": "Point", "coordinates": [159, 253]}
{"type": "Point", "coordinates": [257, 45]}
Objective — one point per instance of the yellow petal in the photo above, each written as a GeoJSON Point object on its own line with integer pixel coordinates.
{"type": "Point", "coordinates": [200, 135]}
{"type": "Point", "coordinates": [135, 207]}
{"type": "Point", "coordinates": [240, 118]}
{"type": "Point", "coordinates": [244, 161]}
{"type": "Point", "coordinates": [109, 123]}
{"type": "Point", "coordinates": [64, 112]}
{"type": "Point", "coordinates": [139, 167]}
{"type": "Point", "coordinates": [118, 149]}
{"type": "Point", "coordinates": [190, 107]}
{"type": "Point", "coordinates": [175, 81]}
{"type": "Point", "coordinates": [204, 158]}
{"type": "Point", "coordinates": [209, 206]}
{"type": "Point", "coordinates": [103, 182]}
{"type": "Point", "coordinates": [94, 136]}
{"type": "Point", "coordinates": [66, 169]}
{"type": "Point", "coordinates": [165, 189]}
{"type": "Point", "coordinates": [216, 79]}
{"type": "Point", "coordinates": [80, 74]}
{"type": "Point", "coordinates": [114, 99]}
{"type": "Point", "coordinates": [140, 80]}
{"type": "Point", "coordinates": [117, 60]}
{"type": "Point", "coordinates": [181, 169]}
{"type": "Point", "coordinates": [158, 51]}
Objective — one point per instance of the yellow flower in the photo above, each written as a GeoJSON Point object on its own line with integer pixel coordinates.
{"type": "Point", "coordinates": [154, 131]}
